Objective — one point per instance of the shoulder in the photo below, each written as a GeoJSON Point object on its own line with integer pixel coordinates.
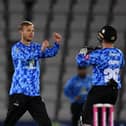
{"type": "Point", "coordinates": [118, 50]}
{"type": "Point", "coordinates": [73, 78]}
{"type": "Point", "coordinates": [15, 45]}
{"type": "Point", "coordinates": [95, 53]}
{"type": "Point", "coordinates": [88, 79]}
{"type": "Point", "coordinates": [88, 76]}
{"type": "Point", "coordinates": [35, 45]}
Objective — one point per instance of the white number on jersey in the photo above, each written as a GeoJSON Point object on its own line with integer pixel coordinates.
{"type": "Point", "coordinates": [111, 74]}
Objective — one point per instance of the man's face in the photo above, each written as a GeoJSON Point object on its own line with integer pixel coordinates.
{"type": "Point", "coordinates": [27, 33]}
{"type": "Point", "coordinates": [82, 72]}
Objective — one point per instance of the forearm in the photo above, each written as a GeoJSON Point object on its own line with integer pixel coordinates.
{"type": "Point", "coordinates": [50, 52]}
{"type": "Point", "coordinates": [81, 61]}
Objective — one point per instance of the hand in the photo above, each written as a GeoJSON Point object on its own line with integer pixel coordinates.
{"type": "Point", "coordinates": [83, 51]}
{"type": "Point", "coordinates": [57, 37]}
{"type": "Point", "coordinates": [88, 49]}
{"type": "Point", "coordinates": [77, 97]}
{"type": "Point", "coordinates": [45, 45]}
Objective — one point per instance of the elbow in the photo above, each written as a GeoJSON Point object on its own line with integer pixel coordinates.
{"type": "Point", "coordinates": [78, 62]}
{"type": "Point", "coordinates": [54, 53]}
{"type": "Point", "coordinates": [66, 92]}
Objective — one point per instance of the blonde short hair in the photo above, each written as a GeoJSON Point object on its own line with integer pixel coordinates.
{"type": "Point", "coordinates": [24, 23]}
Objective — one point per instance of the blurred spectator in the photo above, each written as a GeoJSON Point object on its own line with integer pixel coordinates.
{"type": "Point", "coordinates": [76, 89]}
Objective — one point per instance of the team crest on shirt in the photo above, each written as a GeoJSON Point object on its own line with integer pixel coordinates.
{"type": "Point", "coordinates": [83, 91]}
{"type": "Point", "coordinates": [32, 64]}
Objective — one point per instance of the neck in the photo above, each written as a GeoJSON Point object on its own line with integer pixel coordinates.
{"type": "Point", "coordinates": [107, 45]}
{"type": "Point", "coordinates": [25, 42]}
{"type": "Point", "coordinates": [82, 76]}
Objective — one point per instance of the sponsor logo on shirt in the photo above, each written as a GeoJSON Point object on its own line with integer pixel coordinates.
{"type": "Point", "coordinates": [113, 62]}
{"type": "Point", "coordinates": [31, 64]}
{"type": "Point", "coordinates": [113, 54]}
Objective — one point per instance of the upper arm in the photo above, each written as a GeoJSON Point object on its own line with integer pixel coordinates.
{"type": "Point", "coordinates": [68, 87]}
{"type": "Point", "coordinates": [14, 52]}
{"type": "Point", "coordinates": [89, 82]}
{"type": "Point", "coordinates": [123, 61]}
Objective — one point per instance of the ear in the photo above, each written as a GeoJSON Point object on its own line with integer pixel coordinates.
{"type": "Point", "coordinates": [20, 31]}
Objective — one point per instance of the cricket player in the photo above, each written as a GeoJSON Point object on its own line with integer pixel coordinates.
{"type": "Point", "coordinates": [106, 63]}
{"type": "Point", "coordinates": [76, 89]}
{"type": "Point", "coordinates": [24, 93]}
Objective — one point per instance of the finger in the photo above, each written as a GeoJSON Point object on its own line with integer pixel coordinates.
{"type": "Point", "coordinates": [56, 34]}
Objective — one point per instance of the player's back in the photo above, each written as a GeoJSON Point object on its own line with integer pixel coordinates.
{"type": "Point", "coordinates": [109, 63]}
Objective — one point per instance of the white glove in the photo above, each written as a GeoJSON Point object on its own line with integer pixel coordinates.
{"type": "Point", "coordinates": [83, 51]}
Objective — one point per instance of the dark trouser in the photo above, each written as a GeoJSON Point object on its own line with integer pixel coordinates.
{"type": "Point", "coordinates": [19, 104]}
{"type": "Point", "coordinates": [76, 110]}
{"type": "Point", "coordinates": [98, 94]}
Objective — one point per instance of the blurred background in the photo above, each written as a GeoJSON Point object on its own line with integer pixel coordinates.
{"type": "Point", "coordinates": [78, 22]}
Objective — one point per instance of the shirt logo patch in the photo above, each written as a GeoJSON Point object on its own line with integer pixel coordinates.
{"type": "Point", "coordinates": [83, 91]}
{"type": "Point", "coordinates": [31, 64]}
